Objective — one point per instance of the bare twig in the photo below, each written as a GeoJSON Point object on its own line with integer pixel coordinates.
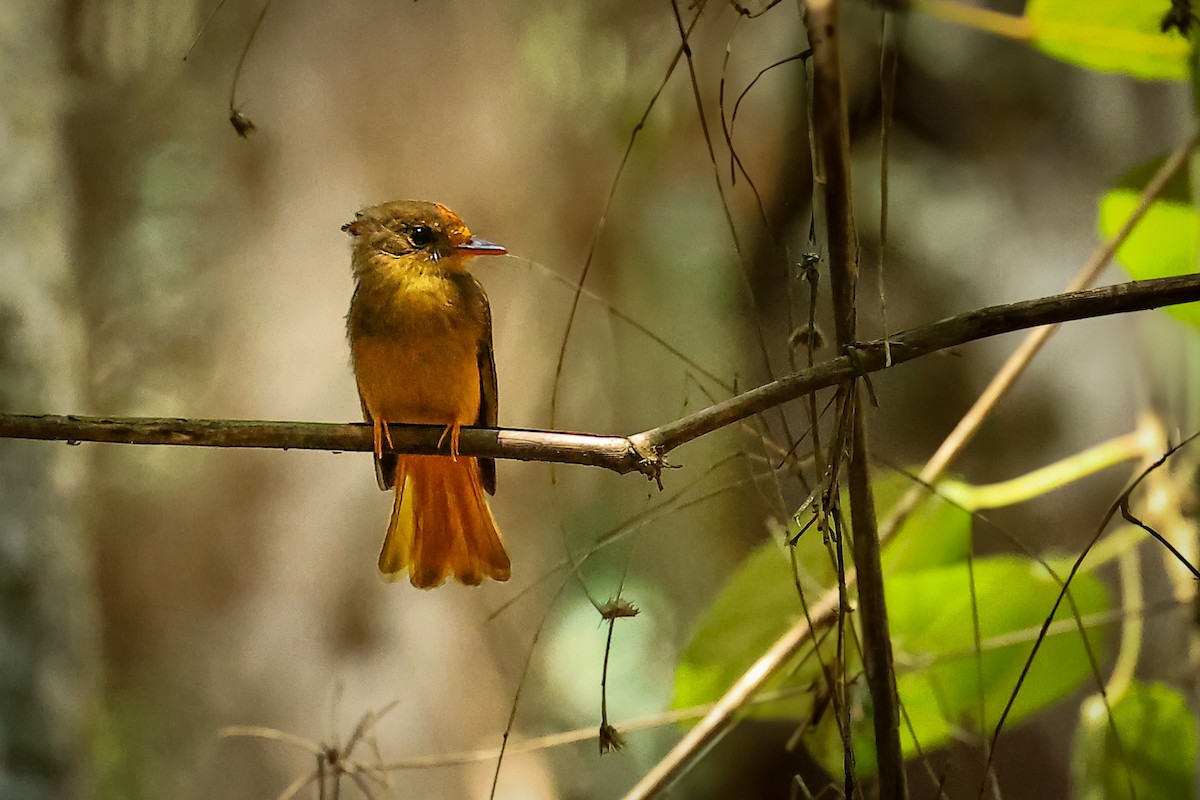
{"type": "Point", "coordinates": [888, 67]}
{"type": "Point", "coordinates": [203, 28]}
{"type": "Point", "coordinates": [600, 224]}
{"type": "Point", "coordinates": [516, 701]}
{"type": "Point", "coordinates": [616, 608]}
{"type": "Point", "coordinates": [333, 760]}
{"type": "Point", "coordinates": [679, 501]}
{"type": "Point", "coordinates": [612, 452]}
{"type": "Point", "coordinates": [721, 717]}
{"type": "Point", "coordinates": [705, 734]}
{"type": "Point", "coordinates": [577, 735]}
{"type": "Point", "coordinates": [240, 122]}
{"type": "Point", "coordinates": [743, 273]}
{"type": "Point", "coordinates": [632, 322]}
{"type": "Point", "coordinates": [664, 718]}
{"type": "Point", "coordinates": [1130, 517]}
{"type": "Point", "coordinates": [1122, 500]}
{"type": "Point", "coordinates": [921, 341]}
{"type": "Point", "coordinates": [1032, 344]}
{"type": "Point", "coordinates": [801, 56]}
{"type": "Point", "coordinates": [832, 126]}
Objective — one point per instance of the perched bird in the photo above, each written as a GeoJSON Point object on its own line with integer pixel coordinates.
{"type": "Point", "coordinates": [420, 332]}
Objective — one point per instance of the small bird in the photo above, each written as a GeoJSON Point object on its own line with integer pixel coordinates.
{"type": "Point", "coordinates": [420, 332]}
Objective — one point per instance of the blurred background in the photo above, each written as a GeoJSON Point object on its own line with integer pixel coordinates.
{"type": "Point", "coordinates": [154, 263]}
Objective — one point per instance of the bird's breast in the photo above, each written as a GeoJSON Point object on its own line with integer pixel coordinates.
{"type": "Point", "coordinates": [415, 351]}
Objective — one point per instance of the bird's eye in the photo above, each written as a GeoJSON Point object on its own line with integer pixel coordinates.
{"type": "Point", "coordinates": [420, 235]}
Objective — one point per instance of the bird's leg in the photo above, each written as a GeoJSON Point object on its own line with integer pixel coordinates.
{"type": "Point", "coordinates": [452, 431]}
{"type": "Point", "coordinates": [381, 434]}
{"type": "Point", "coordinates": [378, 429]}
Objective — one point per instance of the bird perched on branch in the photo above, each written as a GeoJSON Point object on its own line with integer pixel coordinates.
{"type": "Point", "coordinates": [420, 332]}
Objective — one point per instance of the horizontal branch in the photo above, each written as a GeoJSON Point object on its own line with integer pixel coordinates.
{"type": "Point", "coordinates": [612, 452]}
{"type": "Point", "coordinates": [916, 342]}
{"type": "Point", "coordinates": [643, 452]}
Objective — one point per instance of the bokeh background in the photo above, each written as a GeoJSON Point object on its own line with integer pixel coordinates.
{"type": "Point", "coordinates": [154, 263]}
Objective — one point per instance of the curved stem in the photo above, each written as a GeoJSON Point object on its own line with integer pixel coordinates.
{"type": "Point", "coordinates": [1132, 626]}
{"type": "Point", "coordinates": [981, 19]}
{"type": "Point", "coordinates": [1134, 445]}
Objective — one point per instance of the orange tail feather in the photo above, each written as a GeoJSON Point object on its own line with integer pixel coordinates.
{"type": "Point", "coordinates": [441, 525]}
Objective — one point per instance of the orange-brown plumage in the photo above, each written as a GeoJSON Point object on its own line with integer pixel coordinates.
{"type": "Point", "coordinates": [420, 333]}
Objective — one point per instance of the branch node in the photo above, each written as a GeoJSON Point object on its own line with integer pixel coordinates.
{"type": "Point", "coordinates": [610, 739]}
{"type": "Point", "coordinates": [650, 457]}
{"type": "Point", "coordinates": [853, 352]}
{"type": "Point", "coordinates": [616, 608]}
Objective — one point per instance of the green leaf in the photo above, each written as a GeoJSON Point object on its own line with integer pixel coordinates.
{"type": "Point", "coordinates": [932, 631]}
{"type": "Point", "coordinates": [1122, 36]}
{"type": "Point", "coordinates": [930, 608]}
{"type": "Point", "coordinates": [760, 602]}
{"type": "Point", "coordinates": [938, 672]}
{"type": "Point", "coordinates": [1157, 749]}
{"type": "Point", "coordinates": [1165, 242]}
{"type": "Point", "coordinates": [751, 611]}
{"type": "Point", "coordinates": [937, 533]}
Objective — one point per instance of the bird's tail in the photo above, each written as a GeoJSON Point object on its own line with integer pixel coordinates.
{"type": "Point", "coordinates": [441, 525]}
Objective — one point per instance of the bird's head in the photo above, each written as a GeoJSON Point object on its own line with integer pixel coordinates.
{"type": "Point", "coordinates": [417, 234]}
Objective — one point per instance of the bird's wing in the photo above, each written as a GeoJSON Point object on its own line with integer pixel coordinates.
{"type": "Point", "coordinates": [488, 401]}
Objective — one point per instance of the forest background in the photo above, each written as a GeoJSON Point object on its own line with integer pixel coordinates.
{"type": "Point", "coordinates": [159, 264]}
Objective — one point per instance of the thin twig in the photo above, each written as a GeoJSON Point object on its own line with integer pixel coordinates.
{"type": "Point", "coordinates": [977, 643]}
{"type": "Point", "coordinates": [708, 731]}
{"type": "Point", "coordinates": [743, 272]}
{"type": "Point", "coordinates": [577, 735]}
{"type": "Point", "coordinates": [888, 65]}
{"type": "Point", "coordinates": [1041, 637]}
{"type": "Point", "coordinates": [333, 761]}
{"type": "Point", "coordinates": [801, 56]}
{"type": "Point", "coordinates": [272, 734]}
{"type": "Point", "coordinates": [631, 321]}
{"type": "Point", "coordinates": [241, 123]}
{"type": "Point", "coordinates": [203, 28]}
{"type": "Point", "coordinates": [237, 72]}
{"type": "Point", "coordinates": [600, 224]}
{"type": "Point", "coordinates": [632, 525]}
{"type": "Point", "coordinates": [1130, 517]}
{"type": "Point", "coordinates": [870, 357]}
{"type": "Point", "coordinates": [610, 737]}
{"type": "Point", "coordinates": [1032, 344]}
{"type": "Point", "coordinates": [714, 724]}
{"type": "Point", "coordinates": [832, 125]}
{"type": "Point", "coordinates": [841, 689]}
{"type": "Point", "coordinates": [661, 719]}
{"type": "Point", "coordinates": [735, 161]}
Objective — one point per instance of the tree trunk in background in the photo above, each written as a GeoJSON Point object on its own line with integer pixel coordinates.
{"type": "Point", "coordinates": [48, 665]}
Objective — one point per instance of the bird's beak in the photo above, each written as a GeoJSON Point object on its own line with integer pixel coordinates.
{"type": "Point", "coordinates": [481, 247]}
{"type": "Point", "coordinates": [354, 227]}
